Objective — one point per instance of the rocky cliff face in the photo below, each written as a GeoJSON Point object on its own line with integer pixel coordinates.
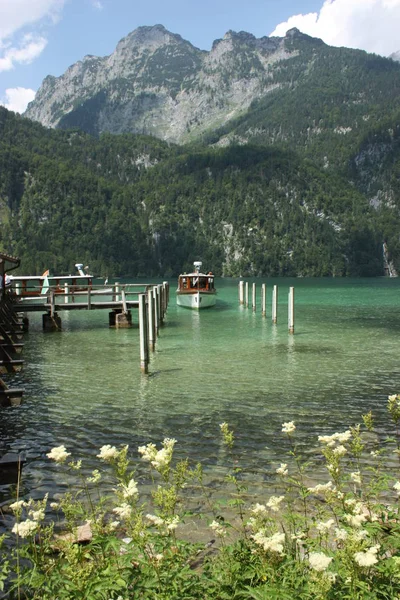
{"type": "Point", "coordinates": [157, 83]}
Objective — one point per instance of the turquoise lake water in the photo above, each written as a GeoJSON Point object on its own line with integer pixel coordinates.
{"type": "Point", "coordinates": [84, 387]}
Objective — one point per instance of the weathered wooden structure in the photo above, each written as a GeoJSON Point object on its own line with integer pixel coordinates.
{"type": "Point", "coordinates": [11, 329]}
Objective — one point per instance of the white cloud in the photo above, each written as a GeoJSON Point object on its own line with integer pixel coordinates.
{"type": "Point", "coordinates": [21, 29]}
{"type": "Point", "coordinates": [17, 14]}
{"type": "Point", "coordinates": [29, 49]}
{"type": "Point", "coordinates": [371, 25]}
{"type": "Point", "coordinates": [17, 99]}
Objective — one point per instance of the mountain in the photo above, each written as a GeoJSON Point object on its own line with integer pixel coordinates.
{"type": "Point", "coordinates": [272, 156]}
{"type": "Point", "coordinates": [157, 83]}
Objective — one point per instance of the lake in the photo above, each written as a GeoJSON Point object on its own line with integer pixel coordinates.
{"type": "Point", "coordinates": [84, 388]}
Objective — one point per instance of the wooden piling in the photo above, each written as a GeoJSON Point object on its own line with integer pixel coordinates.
{"type": "Point", "coordinates": [116, 292]}
{"type": "Point", "coordinates": [143, 343]}
{"type": "Point", "coordinates": [275, 304]}
{"type": "Point", "coordinates": [124, 307]}
{"type": "Point", "coordinates": [66, 292]}
{"type": "Point", "coordinates": [254, 297]}
{"type": "Point", "coordinates": [151, 323]}
{"type": "Point", "coordinates": [89, 299]}
{"type": "Point", "coordinates": [291, 310]}
{"type": "Point", "coordinates": [241, 292]}
{"type": "Point", "coordinates": [159, 300]}
{"type": "Point", "coordinates": [263, 300]}
{"type": "Point", "coordinates": [246, 300]}
{"type": "Point", "coordinates": [156, 310]}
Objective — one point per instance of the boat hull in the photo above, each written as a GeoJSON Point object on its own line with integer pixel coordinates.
{"type": "Point", "coordinates": [195, 300]}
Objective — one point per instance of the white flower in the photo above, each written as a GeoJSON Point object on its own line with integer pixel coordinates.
{"type": "Point", "coordinates": [25, 528]}
{"type": "Point", "coordinates": [124, 511]}
{"type": "Point", "coordinates": [155, 520]}
{"type": "Point", "coordinates": [340, 450]}
{"type": "Point", "coordinates": [356, 477]}
{"type": "Point", "coordinates": [37, 515]}
{"type": "Point", "coordinates": [288, 427]}
{"type": "Point", "coordinates": [274, 502]}
{"type": "Point", "coordinates": [355, 520]}
{"type": "Point", "coordinates": [273, 543]}
{"type": "Point", "coordinates": [259, 509]}
{"type": "Point", "coordinates": [54, 505]}
{"type": "Point", "coordinates": [282, 470]}
{"type": "Point", "coordinates": [59, 454]}
{"type": "Point", "coordinates": [113, 525]}
{"type": "Point", "coordinates": [324, 526]}
{"type": "Point", "coordinates": [321, 487]}
{"type": "Point", "coordinates": [173, 523]}
{"type": "Point", "coordinates": [218, 528]}
{"type": "Point", "coordinates": [341, 534]}
{"type": "Point", "coordinates": [331, 440]}
{"type": "Point", "coordinates": [397, 487]}
{"type": "Point", "coordinates": [367, 558]}
{"type": "Point", "coordinates": [319, 561]}
{"type": "Point", "coordinates": [16, 506]}
{"type": "Point", "coordinates": [148, 452]}
{"type": "Point", "coordinates": [108, 453]}
{"type": "Point", "coordinates": [130, 490]}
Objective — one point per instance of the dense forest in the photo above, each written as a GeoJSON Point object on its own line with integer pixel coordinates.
{"type": "Point", "coordinates": [134, 205]}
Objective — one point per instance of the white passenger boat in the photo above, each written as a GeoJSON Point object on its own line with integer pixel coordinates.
{"type": "Point", "coordinates": [37, 287]}
{"type": "Point", "coordinates": [196, 290]}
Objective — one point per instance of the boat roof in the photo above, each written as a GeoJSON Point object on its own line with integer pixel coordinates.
{"type": "Point", "coordinates": [196, 274]}
{"type": "Point", "coordinates": [50, 277]}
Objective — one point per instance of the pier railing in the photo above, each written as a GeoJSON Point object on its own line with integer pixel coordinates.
{"type": "Point", "coordinates": [150, 299]}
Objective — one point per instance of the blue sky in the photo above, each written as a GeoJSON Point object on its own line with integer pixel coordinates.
{"type": "Point", "coordinates": [44, 37]}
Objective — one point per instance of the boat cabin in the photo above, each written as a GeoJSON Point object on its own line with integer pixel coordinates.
{"type": "Point", "coordinates": [189, 282]}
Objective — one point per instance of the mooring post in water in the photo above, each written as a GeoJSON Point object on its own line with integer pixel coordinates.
{"type": "Point", "coordinates": [263, 300]}
{"type": "Point", "coordinates": [143, 343]}
{"type": "Point", "coordinates": [124, 307]}
{"type": "Point", "coordinates": [151, 315]}
{"type": "Point", "coordinates": [254, 298]}
{"type": "Point", "coordinates": [241, 292]}
{"type": "Point", "coordinates": [275, 304]}
{"type": "Point", "coordinates": [291, 310]}
{"type": "Point", "coordinates": [116, 292]}
{"type": "Point", "coordinates": [156, 310]}
{"type": "Point", "coordinates": [246, 299]}
{"type": "Point", "coordinates": [89, 299]}
{"type": "Point", "coordinates": [66, 292]}
{"type": "Point", "coordinates": [166, 295]}
{"type": "Point", "coordinates": [159, 300]}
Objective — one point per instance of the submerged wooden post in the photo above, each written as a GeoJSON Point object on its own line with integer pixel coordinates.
{"type": "Point", "coordinates": [152, 327]}
{"type": "Point", "coordinates": [291, 310]}
{"type": "Point", "coordinates": [143, 343]}
{"type": "Point", "coordinates": [263, 300]}
{"type": "Point", "coordinates": [156, 310]}
{"type": "Point", "coordinates": [124, 306]}
{"type": "Point", "coordinates": [253, 297]}
{"type": "Point", "coordinates": [166, 295]}
{"type": "Point", "coordinates": [66, 292]}
{"type": "Point", "coordinates": [246, 300]}
{"type": "Point", "coordinates": [159, 300]}
{"type": "Point", "coordinates": [89, 299]}
{"type": "Point", "coordinates": [275, 304]}
{"type": "Point", "coordinates": [116, 292]}
{"type": "Point", "coordinates": [241, 292]}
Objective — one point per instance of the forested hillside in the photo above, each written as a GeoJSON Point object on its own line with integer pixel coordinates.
{"type": "Point", "coordinates": [134, 205]}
